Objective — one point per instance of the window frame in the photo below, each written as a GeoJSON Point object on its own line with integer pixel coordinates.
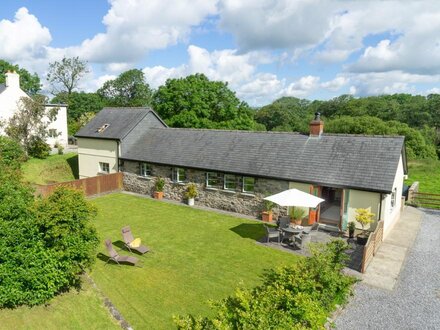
{"type": "Point", "coordinates": [177, 176]}
{"type": "Point", "coordinates": [225, 180]}
{"type": "Point", "coordinates": [217, 178]}
{"type": "Point", "coordinates": [102, 166]}
{"type": "Point", "coordinates": [143, 172]}
{"type": "Point", "coordinates": [243, 185]}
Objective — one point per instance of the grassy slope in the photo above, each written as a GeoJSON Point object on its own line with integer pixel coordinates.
{"type": "Point", "coordinates": [83, 310]}
{"type": "Point", "coordinates": [427, 172]}
{"type": "Point", "coordinates": [198, 255]}
{"type": "Point", "coordinates": [55, 168]}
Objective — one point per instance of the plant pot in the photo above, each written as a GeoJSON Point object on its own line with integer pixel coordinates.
{"type": "Point", "coordinates": [351, 233]}
{"type": "Point", "coordinates": [362, 239]}
{"type": "Point", "coordinates": [266, 216]}
{"type": "Point", "coordinates": [191, 201]}
{"type": "Point", "coordinates": [158, 194]}
{"type": "Point", "coordinates": [298, 222]}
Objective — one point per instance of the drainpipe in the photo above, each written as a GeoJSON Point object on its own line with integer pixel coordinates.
{"type": "Point", "coordinates": [380, 207]}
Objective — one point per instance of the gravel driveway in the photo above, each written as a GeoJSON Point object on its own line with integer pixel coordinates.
{"type": "Point", "coordinates": [415, 301]}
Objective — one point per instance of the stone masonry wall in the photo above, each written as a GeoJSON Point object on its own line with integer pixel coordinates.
{"type": "Point", "coordinates": [234, 201]}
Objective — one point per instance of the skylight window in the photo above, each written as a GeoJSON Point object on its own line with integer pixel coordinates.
{"type": "Point", "coordinates": [102, 128]}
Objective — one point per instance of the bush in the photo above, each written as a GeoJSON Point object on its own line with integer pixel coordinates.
{"type": "Point", "coordinates": [38, 148]}
{"type": "Point", "coordinates": [160, 183]}
{"type": "Point", "coordinates": [12, 154]}
{"type": "Point", "coordinates": [299, 296]}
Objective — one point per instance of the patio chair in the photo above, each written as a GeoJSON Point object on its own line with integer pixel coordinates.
{"type": "Point", "coordinates": [131, 243]}
{"type": "Point", "coordinates": [114, 256]}
{"type": "Point", "coordinates": [283, 222]}
{"type": "Point", "coordinates": [272, 233]}
{"type": "Point", "coordinates": [313, 227]}
{"type": "Point", "coordinates": [302, 240]}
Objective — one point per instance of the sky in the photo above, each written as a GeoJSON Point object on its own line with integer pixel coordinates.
{"type": "Point", "coordinates": [263, 49]}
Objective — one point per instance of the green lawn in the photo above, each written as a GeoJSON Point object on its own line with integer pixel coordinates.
{"type": "Point", "coordinates": [73, 310]}
{"type": "Point", "coordinates": [55, 168]}
{"type": "Point", "coordinates": [427, 172]}
{"type": "Point", "coordinates": [197, 256]}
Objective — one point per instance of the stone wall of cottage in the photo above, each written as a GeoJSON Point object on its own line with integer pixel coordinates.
{"type": "Point", "coordinates": [234, 201]}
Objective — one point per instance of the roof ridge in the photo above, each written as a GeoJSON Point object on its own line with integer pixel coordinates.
{"type": "Point", "coordinates": [224, 130]}
{"type": "Point", "coordinates": [364, 135]}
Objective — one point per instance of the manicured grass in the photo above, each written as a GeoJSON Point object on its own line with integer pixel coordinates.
{"type": "Point", "coordinates": [197, 256]}
{"type": "Point", "coordinates": [73, 310]}
{"type": "Point", "coordinates": [55, 168]}
{"type": "Point", "coordinates": [427, 172]}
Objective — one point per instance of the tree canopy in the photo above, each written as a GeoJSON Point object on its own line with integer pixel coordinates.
{"type": "Point", "coordinates": [129, 89]}
{"type": "Point", "coordinates": [30, 83]}
{"type": "Point", "coordinates": [195, 101]}
{"type": "Point", "coordinates": [65, 75]}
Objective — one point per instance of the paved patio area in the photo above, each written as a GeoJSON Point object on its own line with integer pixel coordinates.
{"type": "Point", "coordinates": [414, 301]}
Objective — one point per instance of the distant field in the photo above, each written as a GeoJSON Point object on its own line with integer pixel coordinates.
{"type": "Point", "coordinates": [427, 173]}
{"type": "Point", "coordinates": [55, 168]}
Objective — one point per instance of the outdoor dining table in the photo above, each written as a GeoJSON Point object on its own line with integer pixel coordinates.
{"type": "Point", "coordinates": [289, 232]}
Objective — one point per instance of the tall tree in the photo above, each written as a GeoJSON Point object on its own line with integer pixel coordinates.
{"type": "Point", "coordinates": [195, 101]}
{"type": "Point", "coordinates": [28, 126]}
{"type": "Point", "coordinates": [129, 89]}
{"type": "Point", "coordinates": [30, 83]}
{"type": "Point", "coordinates": [64, 76]}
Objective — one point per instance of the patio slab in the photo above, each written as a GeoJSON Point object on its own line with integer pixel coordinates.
{"type": "Point", "coordinates": [386, 265]}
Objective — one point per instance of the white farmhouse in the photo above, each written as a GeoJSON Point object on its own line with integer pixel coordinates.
{"type": "Point", "coordinates": [10, 94]}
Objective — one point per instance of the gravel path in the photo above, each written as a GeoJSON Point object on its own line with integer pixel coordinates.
{"type": "Point", "coordinates": [415, 301]}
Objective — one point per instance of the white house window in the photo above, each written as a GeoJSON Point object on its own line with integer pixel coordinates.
{"type": "Point", "coordinates": [393, 198]}
{"type": "Point", "coordinates": [104, 167]}
{"type": "Point", "coordinates": [145, 169]}
{"type": "Point", "coordinates": [212, 180]}
{"type": "Point", "coordinates": [230, 182]}
{"type": "Point", "coordinates": [248, 184]}
{"type": "Point", "coordinates": [52, 133]}
{"type": "Point", "coordinates": [179, 174]}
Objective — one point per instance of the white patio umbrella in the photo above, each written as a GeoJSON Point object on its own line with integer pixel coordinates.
{"type": "Point", "coordinates": [294, 197]}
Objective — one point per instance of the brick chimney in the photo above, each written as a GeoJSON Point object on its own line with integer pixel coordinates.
{"type": "Point", "coordinates": [12, 79]}
{"type": "Point", "coordinates": [316, 125]}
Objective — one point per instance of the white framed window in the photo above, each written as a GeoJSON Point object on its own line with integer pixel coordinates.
{"type": "Point", "coordinates": [145, 169]}
{"type": "Point", "coordinates": [179, 174]}
{"type": "Point", "coordinates": [230, 182]}
{"type": "Point", "coordinates": [104, 167]}
{"type": "Point", "coordinates": [212, 180]}
{"type": "Point", "coordinates": [393, 198]}
{"type": "Point", "coordinates": [248, 184]}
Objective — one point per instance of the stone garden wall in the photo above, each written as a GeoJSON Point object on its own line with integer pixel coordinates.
{"type": "Point", "coordinates": [234, 201]}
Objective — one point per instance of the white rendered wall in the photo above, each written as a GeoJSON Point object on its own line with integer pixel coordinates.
{"type": "Point", "coordinates": [9, 100]}
{"type": "Point", "coordinates": [93, 151]}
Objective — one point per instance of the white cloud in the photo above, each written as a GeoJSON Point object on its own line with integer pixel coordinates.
{"type": "Point", "coordinates": [335, 84]}
{"type": "Point", "coordinates": [137, 26]}
{"type": "Point", "coordinates": [302, 87]}
{"type": "Point", "coordinates": [24, 37]}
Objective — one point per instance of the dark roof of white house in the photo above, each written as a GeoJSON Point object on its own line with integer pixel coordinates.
{"type": "Point", "coordinates": [337, 160]}
{"type": "Point", "coordinates": [120, 122]}
{"type": "Point", "coordinates": [2, 88]}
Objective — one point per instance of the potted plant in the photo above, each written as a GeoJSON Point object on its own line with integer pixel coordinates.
{"type": "Point", "coordinates": [364, 217]}
{"type": "Point", "coordinates": [160, 183]}
{"type": "Point", "coordinates": [267, 213]}
{"type": "Point", "coordinates": [296, 215]}
{"type": "Point", "coordinates": [351, 229]}
{"type": "Point", "coordinates": [191, 193]}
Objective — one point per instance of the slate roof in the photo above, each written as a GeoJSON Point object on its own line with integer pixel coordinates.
{"type": "Point", "coordinates": [2, 88]}
{"type": "Point", "coordinates": [348, 161]}
{"type": "Point", "coordinates": [121, 121]}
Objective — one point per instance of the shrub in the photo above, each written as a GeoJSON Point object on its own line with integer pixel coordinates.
{"type": "Point", "coordinates": [64, 221]}
{"type": "Point", "coordinates": [297, 213]}
{"type": "Point", "coordinates": [191, 191]}
{"type": "Point", "coordinates": [12, 154]}
{"type": "Point", "coordinates": [267, 205]}
{"type": "Point", "coordinates": [160, 183]}
{"type": "Point", "coordinates": [38, 148]}
{"type": "Point", "coordinates": [299, 296]}
{"type": "Point", "coordinates": [364, 217]}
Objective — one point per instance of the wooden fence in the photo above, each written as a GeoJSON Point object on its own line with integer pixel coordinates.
{"type": "Point", "coordinates": [90, 186]}
{"type": "Point", "coordinates": [370, 249]}
{"type": "Point", "coordinates": [431, 201]}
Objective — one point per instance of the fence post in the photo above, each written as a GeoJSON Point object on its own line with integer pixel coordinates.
{"type": "Point", "coordinates": [412, 191]}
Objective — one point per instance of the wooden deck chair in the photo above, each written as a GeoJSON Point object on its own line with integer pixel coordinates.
{"type": "Point", "coordinates": [131, 243]}
{"type": "Point", "coordinates": [113, 255]}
